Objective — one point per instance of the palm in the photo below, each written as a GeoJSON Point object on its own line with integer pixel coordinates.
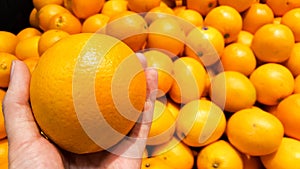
{"type": "Point", "coordinates": [29, 149]}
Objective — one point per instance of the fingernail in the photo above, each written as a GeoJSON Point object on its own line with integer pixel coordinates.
{"type": "Point", "coordinates": [12, 68]}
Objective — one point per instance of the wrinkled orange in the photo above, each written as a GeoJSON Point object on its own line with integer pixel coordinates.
{"type": "Point", "coordinates": [227, 20]}
{"type": "Point", "coordinates": [8, 42]}
{"type": "Point", "coordinates": [59, 86]}
{"type": "Point", "coordinates": [200, 122]}
{"type": "Point", "coordinates": [256, 16]}
{"type": "Point", "coordinates": [5, 66]}
{"type": "Point", "coordinates": [175, 153]}
{"type": "Point", "coordinates": [291, 19]}
{"type": "Point", "coordinates": [238, 57]}
{"type": "Point", "coordinates": [221, 155]}
{"type": "Point", "coordinates": [275, 75]}
{"type": "Point", "coordinates": [288, 113]}
{"type": "Point", "coordinates": [287, 155]}
{"type": "Point", "coordinates": [273, 43]}
{"type": "Point", "coordinates": [189, 80]}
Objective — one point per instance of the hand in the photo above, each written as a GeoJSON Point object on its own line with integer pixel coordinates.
{"type": "Point", "coordinates": [29, 149]}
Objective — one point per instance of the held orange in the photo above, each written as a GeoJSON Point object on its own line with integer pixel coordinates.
{"type": "Point", "coordinates": [288, 113]}
{"type": "Point", "coordinates": [200, 122]}
{"type": "Point", "coordinates": [227, 20]}
{"type": "Point", "coordinates": [273, 43]}
{"type": "Point", "coordinates": [76, 70]}
{"type": "Point", "coordinates": [254, 132]}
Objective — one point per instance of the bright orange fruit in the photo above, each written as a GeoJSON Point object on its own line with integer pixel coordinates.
{"type": "Point", "coordinates": [8, 42]}
{"type": "Point", "coordinates": [5, 66]}
{"type": "Point", "coordinates": [2, 125]}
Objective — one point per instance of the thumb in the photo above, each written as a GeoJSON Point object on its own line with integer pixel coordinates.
{"type": "Point", "coordinates": [19, 122]}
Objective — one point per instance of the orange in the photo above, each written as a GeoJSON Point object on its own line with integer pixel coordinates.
{"type": "Point", "coordinates": [154, 163]}
{"type": "Point", "coordinates": [3, 153]}
{"type": "Point", "coordinates": [173, 107]}
{"type": "Point", "coordinates": [244, 37]}
{"type": "Point", "coordinates": [280, 7]}
{"type": "Point", "coordinates": [291, 19]}
{"type": "Point", "coordinates": [38, 4]}
{"type": "Point", "coordinates": [293, 62]}
{"type": "Point", "coordinates": [158, 12]}
{"type": "Point", "coordinates": [203, 7]}
{"type": "Point", "coordinates": [162, 126]}
{"type": "Point", "coordinates": [205, 44]}
{"type": "Point", "coordinates": [142, 5]}
{"type": "Point", "coordinates": [175, 153]}
{"type": "Point", "coordinates": [238, 57]}
{"type": "Point", "coordinates": [84, 9]}
{"type": "Point", "coordinates": [5, 66]}
{"type": "Point", "coordinates": [191, 16]}
{"type": "Point", "coordinates": [8, 42]}
{"type": "Point", "coordinates": [251, 162]}
{"type": "Point", "coordinates": [178, 9]}
{"type": "Point", "coordinates": [189, 80]}
{"type": "Point", "coordinates": [297, 84]}
{"type": "Point", "coordinates": [256, 16]}
{"type": "Point", "coordinates": [28, 32]}
{"type": "Point", "coordinates": [254, 132]}
{"type": "Point", "coordinates": [200, 122]}
{"type": "Point", "coordinates": [164, 66]}
{"type": "Point", "coordinates": [49, 38]}
{"type": "Point", "coordinates": [275, 75]}
{"type": "Point", "coordinates": [273, 43]}
{"type": "Point", "coordinates": [166, 34]}
{"type": "Point", "coordinates": [111, 8]}
{"type": "Point", "coordinates": [65, 21]}
{"type": "Point", "coordinates": [118, 83]}
{"type": "Point", "coordinates": [33, 19]}
{"type": "Point", "coordinates": [227, 20]}
{"type": "Point", "coordinates": [95, 23]}
{"type": "Point", "coordinates": [227, 86]}
{"type": "Point", "coordinates": [240, 6]}
{"type": "Point", "coordinates": [28, 48]}
{"type": "Point", "coordinates": [221, 155]}
{"type": "Point", "coordinates": [2, 125]}
{"type": "Point", "coordinates": [45, 14]}
{"type": "Point", "coordinates": [288, 113]}
{"type": "Point", "coordinates": [31, 63]}
{"type": "Point", "coordinates": [287, 155]}
{"type": "Point", "coordinates": [129, 27]}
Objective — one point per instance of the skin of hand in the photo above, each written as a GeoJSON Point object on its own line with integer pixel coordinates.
{"type": "Point", "coordinates": [29, 149]}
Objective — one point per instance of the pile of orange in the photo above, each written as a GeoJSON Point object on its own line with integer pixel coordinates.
{"type": "Point", "coordinates": [228, 75]}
